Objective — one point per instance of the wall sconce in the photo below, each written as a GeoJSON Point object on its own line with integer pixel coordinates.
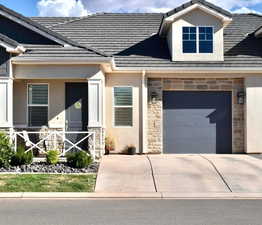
{"type": "Point", "coordinates": [241, 97]}
{"type": "Point", "coordinates": [153, 95]}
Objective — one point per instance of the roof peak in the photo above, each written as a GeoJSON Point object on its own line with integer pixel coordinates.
{"type": "Point", "coordinates": [202, 2]}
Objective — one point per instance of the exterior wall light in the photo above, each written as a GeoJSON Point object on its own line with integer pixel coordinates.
{"type": "Point", "coordinates": [153, 95]}
{"type": "Point", "coordinates": [241, 97]}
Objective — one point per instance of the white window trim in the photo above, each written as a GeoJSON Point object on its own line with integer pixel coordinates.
{"type": "Point", "coordinates": [32, 105]}
{"type": "Point", "coordinates": [197, 40]}
{"type": "Point", "coordinates": [118, 106]}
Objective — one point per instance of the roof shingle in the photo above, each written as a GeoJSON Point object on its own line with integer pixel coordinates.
{"type": "Point", "coordinates": [133, 40]}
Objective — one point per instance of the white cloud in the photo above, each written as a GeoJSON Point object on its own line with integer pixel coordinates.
{"type": "Point", "coordinates": [83, 7]}
{"type": "Point", "coordinates": [61, 8]}
{"type": "Point", "coordinates": [246, 10]}
{"type": "Point", "coordinates": [154, 5]}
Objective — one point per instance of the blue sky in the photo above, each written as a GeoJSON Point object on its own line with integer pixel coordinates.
{"type": "Point", "coordinates": [84, 7]}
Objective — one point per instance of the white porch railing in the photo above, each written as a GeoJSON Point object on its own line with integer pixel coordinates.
{"type": "Point", "coordinates": [56, 140]}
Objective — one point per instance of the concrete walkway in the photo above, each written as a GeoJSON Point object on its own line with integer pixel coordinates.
{"type": "Point", "coordinates": [180, 174]}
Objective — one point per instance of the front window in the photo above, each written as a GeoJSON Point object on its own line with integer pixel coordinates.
{"type": "Point", "coordinates": [123, 106]}
{"type": "Point", "coordinates": [37, 105]}
{"type": "Point", "coordinates": [198, 39]}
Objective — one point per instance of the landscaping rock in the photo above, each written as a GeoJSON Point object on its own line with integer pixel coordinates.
{"type": "Point", "coordinates": [42, 167]}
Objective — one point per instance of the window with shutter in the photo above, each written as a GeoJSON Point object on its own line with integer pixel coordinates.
{"type": "Point", "coordinates": [37, 105]}
{"type": "Point", "coordinates": [123, 106]}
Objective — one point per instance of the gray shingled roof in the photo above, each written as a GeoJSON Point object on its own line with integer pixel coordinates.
{"type": "Point", "coordinates": [57, 52]}
{"type": "Point", "coordinates": [53, 21]}
{"type": "Point", "coordinates": [133, 40]}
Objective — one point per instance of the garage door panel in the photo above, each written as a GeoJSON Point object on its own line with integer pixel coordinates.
{"type": "Point", "coordinates": [197, 122]}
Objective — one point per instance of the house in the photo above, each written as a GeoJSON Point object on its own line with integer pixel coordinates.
{"type": "Point", "coordinates": [186, 81]}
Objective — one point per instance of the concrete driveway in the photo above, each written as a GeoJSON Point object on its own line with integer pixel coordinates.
{"type": "Point", "coordinates": [180, 174]}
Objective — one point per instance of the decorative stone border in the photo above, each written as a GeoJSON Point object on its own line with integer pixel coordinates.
{"type": "Point", "coordinates": [43, 168]}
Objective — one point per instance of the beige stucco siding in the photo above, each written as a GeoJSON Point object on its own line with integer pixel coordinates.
{"type": "Point", "coordinates": [56, 71]}
{"type": "Point", "coordinates": [124, 135]}
{"type": "Point", "coordinates": [196, 18]}
{"type": "Point", "coordinates": [56, 101]}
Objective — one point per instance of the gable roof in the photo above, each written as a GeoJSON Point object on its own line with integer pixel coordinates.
{"type": "Point", "coordinates": [135, 44]}
{"type": "Point", "coordinates": [44, 31]}
{"type": "Point", "coordinates": [169, 17]}
{"type": "Point", "coordinates": [202, 2]}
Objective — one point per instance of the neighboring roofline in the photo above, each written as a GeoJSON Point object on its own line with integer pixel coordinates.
{"type": "Point", "coordinates": [44, 31]}
{"type": "Point", "coordinates": [11, 45]}
{"type": "Point", "coordinates": [207, 7]}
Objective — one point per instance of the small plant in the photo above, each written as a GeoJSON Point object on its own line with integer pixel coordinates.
{"type": "Point", "coordinates": [21, 157]}
{"type": "Point", "coordinates": [109, 145]}
{"type": "Point", "coordinates": [131, 150]}
{"type": "Point", "coordinates": [52, 157]}
{"type": "Point", "coordinates": [78, 159]}
{"type": "Point", "coordinates": [6, 150]}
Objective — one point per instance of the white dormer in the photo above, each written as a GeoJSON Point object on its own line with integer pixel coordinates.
{"type": "Point", "coordinates": [195, 31]}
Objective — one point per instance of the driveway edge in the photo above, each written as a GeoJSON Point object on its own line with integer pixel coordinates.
{"type": "Point", "coordinates": [156, 195]}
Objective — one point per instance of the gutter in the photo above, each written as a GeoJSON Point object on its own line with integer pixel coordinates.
{"type": "Point", "coordinates": [28, 61]}
{"type": "Point", "coordinates": [189, 69]}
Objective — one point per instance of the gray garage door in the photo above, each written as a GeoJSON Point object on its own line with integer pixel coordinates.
{"type": "Point", "coordinates": [197, 122]}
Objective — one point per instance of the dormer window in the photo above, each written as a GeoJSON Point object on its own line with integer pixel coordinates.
{"type": "Point", "coordinates": [189, 40]}
{"type": "Point", "coordinates": [198, 39]}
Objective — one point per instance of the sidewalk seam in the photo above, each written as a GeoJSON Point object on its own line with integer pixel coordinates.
{"type": "Point", "coordinates": [216, 169]}
{"type": "Point", "coordinates": [152, 172]}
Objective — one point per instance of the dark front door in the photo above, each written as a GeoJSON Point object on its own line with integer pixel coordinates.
{"type": "Point", "coordinates": [197, 122]}
{"type": "Point", "coordinates": [76, 110]}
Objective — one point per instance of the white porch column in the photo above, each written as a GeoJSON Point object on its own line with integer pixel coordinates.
{"type": "Point", "coordinates": [95, 103]}
{"type": "Point", "coordinates": [253, 114]}
{"type": "Point", "coordinates": [144, 113]}
{"type": "Point", "coordinates": [6, 103]}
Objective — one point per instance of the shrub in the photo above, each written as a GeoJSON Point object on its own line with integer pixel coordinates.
{"type": "Point", "coordinates": [6, 150]}
{"type": "Point", "coordinates": [52, 157]}
{"type": "Point", "coordinates": [21, 157]}
{"type": "Point", "coordinates": [78, 159]}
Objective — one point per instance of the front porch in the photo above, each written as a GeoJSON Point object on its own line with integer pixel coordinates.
{"type": "Point", "coordinates": [55, 115]}
{"type": "Point", "coordinates": [55, 107]}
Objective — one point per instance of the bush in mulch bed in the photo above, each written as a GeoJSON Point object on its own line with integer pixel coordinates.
{"type": "Point", "coordinates": [43, 167]}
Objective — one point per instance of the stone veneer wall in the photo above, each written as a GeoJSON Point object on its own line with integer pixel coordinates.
{"type": "Point", "coordinates": [100, 140]}
{"type": "Point", "coordinates": [155, 107]}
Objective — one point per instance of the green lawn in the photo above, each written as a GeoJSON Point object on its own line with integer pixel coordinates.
{"type": "Point", "coordinates": [47, 183]}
